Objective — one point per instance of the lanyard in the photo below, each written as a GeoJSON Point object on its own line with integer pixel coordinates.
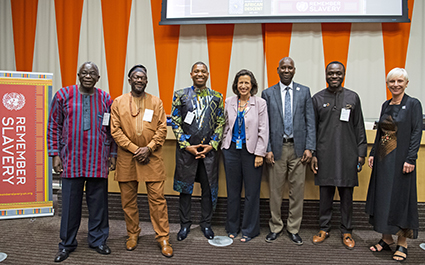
{"type": "Point", "coordinates": [199, 108]}
{"type": "Point", "coordinates": [241, 115]}
{"type": "Point", "coordinates": [240, 122]}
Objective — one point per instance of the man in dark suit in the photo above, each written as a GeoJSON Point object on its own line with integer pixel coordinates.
{"type": "Point", "coordinates": [291, 143]}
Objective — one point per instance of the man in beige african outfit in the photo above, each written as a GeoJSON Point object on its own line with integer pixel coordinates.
{"type": "Point", "coordinates": [138, 125]}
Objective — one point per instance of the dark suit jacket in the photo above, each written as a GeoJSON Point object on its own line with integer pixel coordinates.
{"type": "Point", "coordinates": [304, 127]}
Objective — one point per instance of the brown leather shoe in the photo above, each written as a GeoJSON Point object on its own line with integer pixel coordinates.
{"type": "Point", "coordinates": [131, 243]}
{"type": "Point", "coordinates": [348, 241]}
{"type": "Point", "coordinates": [166, 248]}
{"type": "Point", "coordinates": [320, 237]}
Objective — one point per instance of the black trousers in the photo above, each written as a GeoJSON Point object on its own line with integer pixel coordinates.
{"type": "Point", "coordinates": [326, 201]}
{"type": "Point", "coordinates": [240, 169]}
{"type": "Point", "coordinates": [97, 204]}
{"type": "Point", "coordinates": [185, 201]}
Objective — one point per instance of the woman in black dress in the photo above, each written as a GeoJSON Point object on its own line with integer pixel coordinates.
{"type": "Point", "coordinates": [392, 196]}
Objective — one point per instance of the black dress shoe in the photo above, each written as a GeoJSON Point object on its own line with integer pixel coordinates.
{"type": "Point", "coordinates": [62, 255]}
{"type": "Point", "coordinates": [272, 236]}
{"type": "Point", "coordinates": [208, 232]}
{"type": "Point", "coordinates": [182, 234]}
{"type": "Point", "coordinates": [103, 249]}
{"type": "Point", "coordinates": [295, 238]}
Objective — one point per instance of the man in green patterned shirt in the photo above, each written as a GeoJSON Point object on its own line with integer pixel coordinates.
{"type": "Point", "coordinates": [197, 121]}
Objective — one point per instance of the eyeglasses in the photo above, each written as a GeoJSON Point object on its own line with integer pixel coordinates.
{"type": "Point", "coordinates": [91, 74]}
{"type": "Point", "coordinates": [135, 78]}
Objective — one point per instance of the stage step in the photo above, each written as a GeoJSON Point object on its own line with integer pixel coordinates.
{"type": "Point", "coordinates": [310, 215]}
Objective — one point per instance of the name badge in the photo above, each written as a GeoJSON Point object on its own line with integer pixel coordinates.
{"type": "Point", "coordinates": [345, 114]}
{"type": "Point", "coordinates": [148, 115]}
{"type": "Point", "coordinates": [238, 144]}
{"type": "Point", "coordinates": [106, 118]}
{"type": "Point", "coordinates": [189, 118]}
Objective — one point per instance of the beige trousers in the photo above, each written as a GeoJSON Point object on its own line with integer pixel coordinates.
{"type": "Point", "coordinates": [287, 169]}
{"type": "Point", "coordinates": [157, 208]}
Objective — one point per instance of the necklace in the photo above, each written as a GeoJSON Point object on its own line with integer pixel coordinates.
{"type": "Point", "coordinates": [242, 108]}
{"type": "Point", "coordinates": [138, 123]}
{"type": "Point", "coordinates": [131, 106]}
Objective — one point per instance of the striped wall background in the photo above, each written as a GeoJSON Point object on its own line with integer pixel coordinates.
{"type": "Point", "coordinates": [58, 35]}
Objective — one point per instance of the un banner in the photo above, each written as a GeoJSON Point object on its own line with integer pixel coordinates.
{"type": "Point", "coordinates": [25, 179]}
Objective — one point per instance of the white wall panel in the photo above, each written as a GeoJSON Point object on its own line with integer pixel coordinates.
{"type": "Point", "coordinates": [366, 62]}
{"type": "Point", "coordinates": [92, 46]}
{"type": "Point", "coordinates": [141, 45]}
{"type": "Point", "coordinates": [415, 61]}
{"type": "Point", "coordinates": [307, 51]}
{"type": "Point", "coordinates": [265, 83]}
{"type": "Point", "coordinates": [247, 53]}
{"type": "Point", "coordinates": [193, 47]}
{"type": "Point", "coordinates": [46, 51]}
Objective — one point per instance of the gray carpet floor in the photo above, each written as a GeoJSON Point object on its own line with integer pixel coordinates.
{"type": "Point", "coordinates": [35, 241]}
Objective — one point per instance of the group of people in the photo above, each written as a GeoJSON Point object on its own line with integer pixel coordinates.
{"type": "Point", "coordinates": [285, 129]}
{"type": "Point", "coordinates": [88, 134]}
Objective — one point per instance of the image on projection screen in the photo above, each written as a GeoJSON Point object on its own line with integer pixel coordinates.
{"type": "Point", "coordinates": [281, 8]}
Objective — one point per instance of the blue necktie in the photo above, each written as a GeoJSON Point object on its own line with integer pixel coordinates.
{"type": "Point", "coordinates": [288, 114]}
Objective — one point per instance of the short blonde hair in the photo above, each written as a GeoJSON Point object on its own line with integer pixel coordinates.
{"type": "Point", "coordinates": [398, 72]}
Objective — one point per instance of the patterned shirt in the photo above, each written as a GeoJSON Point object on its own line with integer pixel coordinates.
{"type": "Point", "coordinates": [197, 117]}
{"type": "Point", "coordinates": [76, 132]}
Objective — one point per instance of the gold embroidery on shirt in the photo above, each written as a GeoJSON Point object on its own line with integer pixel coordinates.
{"type": "Point", "coordinates": [388, 141]}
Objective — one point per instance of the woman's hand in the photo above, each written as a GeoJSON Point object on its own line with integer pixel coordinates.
{"type": "Point", "coordinates": [407, 168]}
{"type": "Point", "coordinates": [370, 161]}
{"type": "Point", "coordinates": [258, 161]}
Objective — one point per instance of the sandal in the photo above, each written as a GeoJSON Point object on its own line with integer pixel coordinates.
{"type": "Point", "coordinates": [245, 239]}
{"type": "Point", "coordinates": [402, 250]}
{"type": "Point", "coordinates": [232, 235]}
{"type": "Point", "coordinates": [383, 244]}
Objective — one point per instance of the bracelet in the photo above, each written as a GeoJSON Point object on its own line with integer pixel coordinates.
{"type": "Point", "coordinates": [150, 149]}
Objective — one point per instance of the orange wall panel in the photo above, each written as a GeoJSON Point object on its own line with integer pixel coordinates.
{"type": "Point", "coordinates": [220, 40]}
{"type": "Point", "coordinates": [277, 41]}
{"type": "Point", "coordinates": [396, 40]}
{"type": "Point", "coordinates": [24, 16]}
{"type": "Point", "coordinates": [68, 23]}
{"type": "Point", "coordinates": [166, 47]}
{"type": "Point", "coordinates": [116, 18]}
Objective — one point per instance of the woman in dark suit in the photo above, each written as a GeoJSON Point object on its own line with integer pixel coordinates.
{"type": "Point", "coordinates": [392, 196]}
{"type": "Point", "coordinates": [244, 145]}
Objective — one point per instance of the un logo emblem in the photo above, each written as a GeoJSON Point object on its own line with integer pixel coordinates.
{"type": "Point", "coordinates": [13, 101]}
{"type": "Point", "coordinates": [302, 6]}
